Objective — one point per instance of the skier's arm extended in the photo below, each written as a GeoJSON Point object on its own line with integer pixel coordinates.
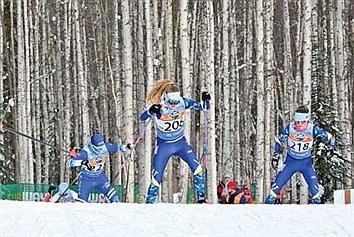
{"type": "Point", "coordinates": [280, 139]}
{"type": "Point", "coordinates": [76, 160]}
{"type": "Point", "coordinates": [324, 135]}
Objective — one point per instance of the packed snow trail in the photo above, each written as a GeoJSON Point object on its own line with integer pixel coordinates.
{"type": "Point", "coordinates": [38, 219]}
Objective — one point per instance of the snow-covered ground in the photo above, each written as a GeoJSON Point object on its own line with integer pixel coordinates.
{"type": "Point", "coordinates": [38, 219]}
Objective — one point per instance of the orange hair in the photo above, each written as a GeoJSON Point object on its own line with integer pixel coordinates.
{"type": "Point", "coordinates": [161, 87]}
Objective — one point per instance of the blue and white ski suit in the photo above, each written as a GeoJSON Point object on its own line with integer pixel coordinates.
{"type": "Point", "coordinates": [171, 141]}
{"type": "Point", "coordinates": [298, 159]}
{"type": "Point", "coordinates": [96, 177]}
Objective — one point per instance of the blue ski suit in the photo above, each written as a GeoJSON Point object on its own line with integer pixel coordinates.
{"type": "Point", "coordinates": [171, 141]}
{"type": "Point", "coordinates": [94, 176]}
{"type": "Point", "coordinates": [298, 159]}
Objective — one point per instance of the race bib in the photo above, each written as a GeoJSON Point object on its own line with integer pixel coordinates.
{"type": "Point", "coordinates": [299, 146]}
{"type": "Point", "coordinates": [170, 125]}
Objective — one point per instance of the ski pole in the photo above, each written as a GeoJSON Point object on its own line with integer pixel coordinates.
{"type": "Point", "coordinates": [205, 140]}
{"type": "Point", "coordinates": [128, 157]}
{"type": "Point", "coordinates": [32, 138]}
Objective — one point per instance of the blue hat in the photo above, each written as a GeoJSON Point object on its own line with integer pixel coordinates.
{"type": "Point", "coordinates": [97, 140]}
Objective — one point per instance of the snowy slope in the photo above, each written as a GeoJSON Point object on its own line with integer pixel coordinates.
{"type": "Point", "coordinates": [38, 219]}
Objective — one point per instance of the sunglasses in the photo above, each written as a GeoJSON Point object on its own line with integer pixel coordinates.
{"type": "Point", "coordinates": [301, 122]}
{"type": "Point", "coordinates": [173, 102]}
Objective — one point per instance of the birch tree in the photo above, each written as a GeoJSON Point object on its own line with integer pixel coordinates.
{"type": "Point", "coordinates": [184, 45]}
{"type": "Point", "coordinates": [259, 155]}
{"type": "Point", "coordinates": [149, 85]}
{"type": "Point", "coordinates": [128, 89]}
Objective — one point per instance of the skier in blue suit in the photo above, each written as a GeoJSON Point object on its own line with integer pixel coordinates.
{"type": "Point", "coordinates": [169, 108]}
{"type": "Point", "coordinates": [92, 159]}
{"type": "Point", "coordinates": [300, 135]}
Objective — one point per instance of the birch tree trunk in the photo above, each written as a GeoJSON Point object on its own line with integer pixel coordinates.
{"type": "Point", "coordinates": [212, 181]}
{"type": "Point", "coordinates": [227, 158]}
{"type": "Point", "coordinates": [269, 51]}
{"type": "Point", "coordinates": [307, 79]}
{"type": "Point", "coordinates": [27, 19]}
{"type": "Point", "coordinates": [148, 152]}
{"type": "Point", "coordinates": [342, 85]}
{"type": "Point", "coordinates": [60, 95]}
{"type": "Point", "coordinates": [21, 97]}
{"type": "Point", "coordinates": [184, 44]}
{"type": "Point", "coordinates": [116, 84]}
{"type": "Point", "coordinates": [36, 94]}
{"type": "Point", "coordinates": [260, 102]}
{"type": "Point", "coordinates": [66, 80]}
{"type": "Point", "coordinates": [128, 89]}
{"type": "Point", "coordinates": [43, 84]}
{"type": "Point", "coordinates": [2, 98]}
{"type": "Point", "coordinates": [83, 87]}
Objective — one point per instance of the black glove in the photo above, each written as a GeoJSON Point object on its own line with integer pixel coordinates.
{"type": "Point", "coordinates": [205, 96]}
{"type": "Point", "coordinates": [51, 189]}
{"type": "Point", "coordinates": [155, 109]}
{"type": "Point", "coordinates": [275, 161]}
{"type": "Point", "coordinates": [129, 146]}
{"type": "Point", "coordinates": [87, 164]}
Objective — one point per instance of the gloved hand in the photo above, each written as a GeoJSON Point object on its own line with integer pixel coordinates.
{"type": "Point", "coordinates": [127, 146]}
{"type": "Point", "coordinates": [87, 164]}
{"type": "Point", "coordinates": [206, 96]}
{"type": "Point", "coordinates": [332, 143]}
{"type": "Point", "coordinates": [275, 161]}
{"type": "Point", "coordinates": [73, 152]}
{"type": "Point", "coordinates": [155, 109]}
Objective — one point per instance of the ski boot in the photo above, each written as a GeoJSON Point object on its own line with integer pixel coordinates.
{"type": "Point", "coordinates": [201, 198]}
{"type": "Point", "coordinates": [270, 200]}
{"type": "Point", "coordinates": [152, 194]}
{"type": "Point", "coordinates": [316, 201]}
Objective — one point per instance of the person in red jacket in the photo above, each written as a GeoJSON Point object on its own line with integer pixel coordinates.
{"type": "Point", "coordinates": [235, 194]}
{"type": "Point", "coordinates": [222, 190]}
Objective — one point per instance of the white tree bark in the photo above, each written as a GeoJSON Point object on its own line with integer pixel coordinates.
{"type": "Point", "coordinates": [227, 157]}
{"type": "Point", "coordinates": [307, 79]}
{"type": "Point", "coordinates": [187, 90]}
{"type": "Point", "coordinates": [83, 87]}
{"type": "Point", "coordinates": [342, 85]}
{"type": "Point", "coordinates": [2, 157]}
{"type": "Point", "coordinates": [128, 90]}
{"type": "Point", "coordinates": [67, 76]}
{"type": "Point", "coordinates": [260, 102]}
{"type": "Point", "coordinates": [148, 151]}
{"type": "Point", "coordinates": [269, 65]}
{"type": "Point", "coordinates": [212, 179]}
{"type": "Point", "coordinates": [21, 97]}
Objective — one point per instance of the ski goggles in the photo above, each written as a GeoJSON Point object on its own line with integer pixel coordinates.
{"type": "Point", "coordinates": [172, 98]}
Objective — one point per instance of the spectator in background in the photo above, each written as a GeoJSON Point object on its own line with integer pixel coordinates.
{"type": "Point", "coordinates": [247, 193]}
{"type": "Point", "coordinates": [236, 196]}
{"type": "Point", "coordinates": [222, 190]}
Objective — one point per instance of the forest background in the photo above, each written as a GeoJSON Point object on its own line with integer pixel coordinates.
{"type": "Point", "coordinates": [73, 67]}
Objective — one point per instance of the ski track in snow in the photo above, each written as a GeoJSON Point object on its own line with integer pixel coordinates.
{"type": "Point", "coordinates": [35, 219]}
